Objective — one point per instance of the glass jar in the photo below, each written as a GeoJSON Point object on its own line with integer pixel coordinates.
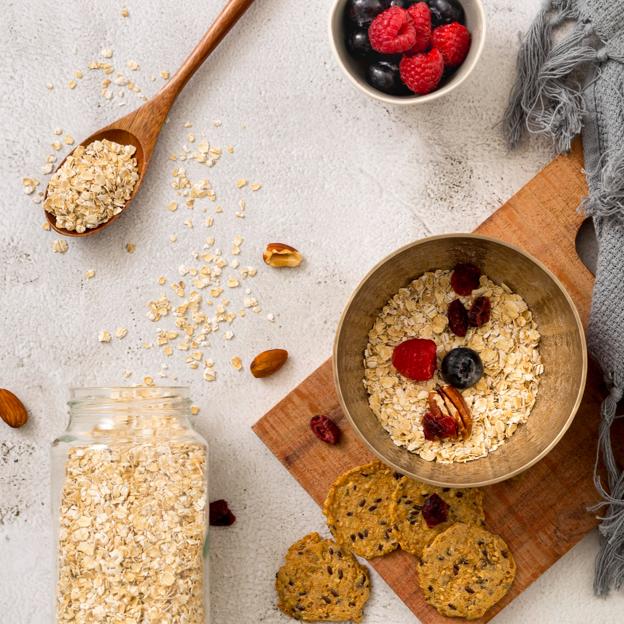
{"type": "Point", "coordinates": [129, 498]}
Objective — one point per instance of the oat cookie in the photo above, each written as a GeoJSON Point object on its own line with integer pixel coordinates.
{"type": "Point", "coordinates": [413, 534]}
{"type": "Point", "coordinates": [319, 581]}
{"type": "Point", "coordinates": [358, 510]}
{"type": "Point", "coordinates": [465, 571]}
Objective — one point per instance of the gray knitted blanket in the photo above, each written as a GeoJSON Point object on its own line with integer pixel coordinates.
{"type": "Point", "coordinates": [563, 88]}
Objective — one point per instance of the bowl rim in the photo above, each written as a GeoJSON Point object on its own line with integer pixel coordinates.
{"type": "Point", "coordinates": [573, 411]}
{"type": "Point", "coordinates": [410, 100]}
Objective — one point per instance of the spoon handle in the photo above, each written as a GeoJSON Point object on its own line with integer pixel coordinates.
{"type": "Point", "coordinates": [230, 14]}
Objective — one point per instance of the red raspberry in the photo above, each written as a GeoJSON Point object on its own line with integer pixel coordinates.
{"type": "Point", "coordinates": [392, 31]}
{"type": "Point", "coordinates": [422, 72]}
{"type": "Point", "coordinates": [421, 17]}
{"type": "Point", "coordinates": [453, 40]}
{"type": "Point", "coordinates": [415, 359]}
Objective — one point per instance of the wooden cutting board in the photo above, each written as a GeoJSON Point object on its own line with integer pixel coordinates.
{"type": "Point", "coordinates": [541, 513]}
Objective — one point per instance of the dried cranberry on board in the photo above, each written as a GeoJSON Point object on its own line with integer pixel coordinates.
{"type": "Point", "coordinates": [325, 429]}
{"type": "Point", "coordinates": [465, 278]}
{"type": "Point", "coordinates": [435, 510]}
{"type": "Point", "coordinates": [438, 426]}
{"type": "Point", "coordinates": [416, 359]}
{"type": "Point", "coordinates": [479, 313]}
{"type": "Point", "coordinates": [457, 318]}
{"type": "Point", "coordinates": [220, 514]}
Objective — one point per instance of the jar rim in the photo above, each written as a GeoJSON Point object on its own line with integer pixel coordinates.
{"type": "Point", "coordinates": [81, 393]}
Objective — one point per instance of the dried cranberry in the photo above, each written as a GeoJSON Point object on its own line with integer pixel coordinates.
{"type": "Point", "coordinates": [325, 429]}
{"type": "Point", "coordinates": [416, 359]}
{"type": "Point", "coordinates": [438, 426]}
{"type": "Point", "coordinates": [479, 313]}
{"type": "Point", "coordinates": [435, 510]}
{"type": "Point", "coordinates": [457, 318]}
{"type": "Point", "coordinates": [465, 278]}
{"type": "Point", "coordinates": [220, 514]}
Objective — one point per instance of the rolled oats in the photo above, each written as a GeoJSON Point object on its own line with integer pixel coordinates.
{"type": "Point", "coordinates": [93, 184]}
{"type": "Point", "coordinates": [500, 401]}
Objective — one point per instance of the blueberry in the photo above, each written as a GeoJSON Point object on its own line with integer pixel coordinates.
{"type": "Point", "coordinates": [358, 43]}
{"type": "Point", "coordinates": [462, 367]}
{"type": "Point", "coordinates": [363, 12]}
{"type": "Point", "coordinates": [404, 4]}
{"type": "Point", "coordinates": [385, 76]}
{"type": "Point", "coordinates": [446, 11]}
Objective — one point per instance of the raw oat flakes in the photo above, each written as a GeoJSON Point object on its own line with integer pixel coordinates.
{"type": "Point", "coordinates": [501, 400]}
{"type": "Point", "coordinates": [133, 522]}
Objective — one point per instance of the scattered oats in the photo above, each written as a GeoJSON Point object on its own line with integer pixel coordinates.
{"type": "Point", "coordinates": [147, 345]}
{"type": "Point", "coordinates": [121, 332]}
{"type": "Point", "coordinates": [104, 336]}
{"type": "Point", "coordinates": [229, 334]}
{"type": "Point", "coordinates": [78, 74]}
{"type": "Point", "coordinates": [130, 248]}
{"type": "Point", "coordinates": [235, 263]}
{"type": "Point", "coordinates": [216, 123]}
{"type": "Point", "coordinates": [49, 86]}
{"type": "Point", "coordinates": [233, 282]}
{"type": "Point", "coordinates": [68, 140]}
{"type": "Point", "coordinates": [56, 146]}
{"type": "Point", "coordinates": [72, 84]}
{"type": "Point", "coordinates": [162, 280]}
{"type": "Point", "coordinates": [191, 138]}
{"type": "Point", "coordinates": [188, 124]}
{"type": "Point", "coordinates": [173, 238]}
{"type": "Point", "coordinates": [58, 131]}
{"type": "Point", "coordinates": [237, 363]}
{"type": "Point", "coordinates": [164, 75]}
{"type": "Point", "coordinates": [172, 206]}
{"type": "Point", "coordinates": [168, 350]}
{"type": "Point", "coordinates": [127, 374]}
{"type": "Point", "coordinates": [47, 168]}
{"type": "Point", "coordinates": [241, 182]}
{"type": "Point", "coordinates": [188, 223]}
{"type": "Point", "coordinates": [90, 274]}
{"type": "Point", "coordinates": [60, 246]}
{"type": "Point", "coordinates": [230, 149]}
{"type": "Point", "coordinates": [28, 189]}
{"type": "Point", "coordinates": [209, 375]}
{"type": "Point", "coordinates": [256, 186]}
{"type": "Point", "coordinates": [107, 53]}
{"type": "Point", "coordinates": [209, 221]}
{"type": "Point", "coordinates": [132, 65]}
{"type": "Point", "coordinates": [93, 184]}
{"type": "Point", "coordinates": [158, 308]}
{"type": "Point", "coordinates": [125, 12]}
{"type": "Point", "coordinates": [271, 317]}
{"type": "Point", "coordinates": [148, 381]}
{"type": "Point", "coordinates": [194, 410]}
{"type": "Point", "coordinates": [46, 226]}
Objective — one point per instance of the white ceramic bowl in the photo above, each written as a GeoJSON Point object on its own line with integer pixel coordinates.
{"type": "Point", "coordinates": [475, 22]}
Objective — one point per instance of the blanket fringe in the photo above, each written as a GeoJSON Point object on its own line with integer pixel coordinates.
{"type": "Point", "coordinates": [607, 196]}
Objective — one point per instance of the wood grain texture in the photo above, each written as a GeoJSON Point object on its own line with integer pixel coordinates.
{"type": "Point", "coordinates": [541, 513]}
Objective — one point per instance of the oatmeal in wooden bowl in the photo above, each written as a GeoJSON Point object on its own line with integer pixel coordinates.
{"type": "Point", "coordinates": [460, 360]}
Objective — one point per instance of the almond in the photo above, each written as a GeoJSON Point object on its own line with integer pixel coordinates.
{"type": "Point", "coordinates": [268, 362]}
{"type": "Point", "coordinates": [12, 411]}
{"type": "Point", "coordinates": [281, 255]}
{"type": "Point", "coordinates": [455, 401]}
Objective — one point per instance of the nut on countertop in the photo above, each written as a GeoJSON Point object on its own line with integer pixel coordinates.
{"type": "Point", "coordinates": [268, 362]}
{"type": "Point", "coordinates": [12, 411]}
{"type": "Point", "coordinates": [281, 255]}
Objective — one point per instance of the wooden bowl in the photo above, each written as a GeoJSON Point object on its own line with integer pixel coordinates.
{"type": "Point", "coordinates": [563, 351]}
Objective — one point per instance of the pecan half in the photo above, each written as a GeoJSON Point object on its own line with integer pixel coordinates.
{"type": "Point", "coordinates": [456, 405]}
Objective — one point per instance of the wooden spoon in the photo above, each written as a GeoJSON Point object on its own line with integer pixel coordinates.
{"type": "Point", "coordinates": [142, 127]}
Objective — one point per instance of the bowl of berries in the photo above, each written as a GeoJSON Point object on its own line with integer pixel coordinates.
{"type": "Point", "coordinates": [407, 51]}
{"type": "Point", "coordinates": [460, 360]}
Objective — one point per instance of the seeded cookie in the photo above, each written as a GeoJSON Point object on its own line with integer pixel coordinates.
{"type": "Point", "coordinates": [358, 510]}
{"type": "Point", "coordinates": [418, 520]}
{"type": "Point", "coordinates": [319, 581]}
{"type": "Point", "coordinates": [465, 571]}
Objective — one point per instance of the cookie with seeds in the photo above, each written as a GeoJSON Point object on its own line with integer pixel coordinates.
{"type": "Point", "coordinates": [358, 510]}
{"type": "Point", "coordinates": [465, 571]}
{"type": "Point", "coordinates": [419, 521]}
{"type": "Point", "coordinates": [320, 581]}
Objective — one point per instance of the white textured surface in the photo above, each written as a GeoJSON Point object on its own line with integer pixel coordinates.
{"type": "Point", "coordinates": [346, 180]}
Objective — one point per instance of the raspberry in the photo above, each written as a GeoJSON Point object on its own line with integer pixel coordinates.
{"type": "Point", "coordinates": [415, 359]}
{"type": "Point", "coordinates": [465, 278]}
{"type": "Point", "coordinates": [453, 41]}
{"type": "Point", "coordinates": [392, 31]}
{"type": "Point", "coordinates": [421, 17]}
{"type": "Point", "coordinates": [422, 72]}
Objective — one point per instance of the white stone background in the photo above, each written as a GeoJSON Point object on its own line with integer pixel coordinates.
{"type": "Point", "coordinates": [346, 180]}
